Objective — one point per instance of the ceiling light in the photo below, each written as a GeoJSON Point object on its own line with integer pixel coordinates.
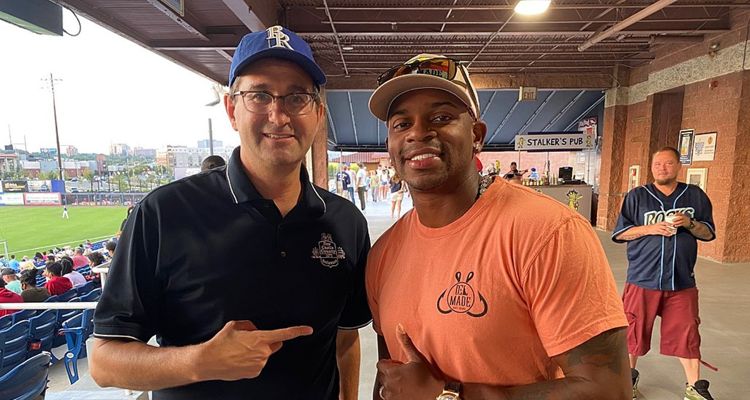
{"type": "Point", "coordinates": [347, 47]}
{"type": "Point", "coordinates": [532, 7]}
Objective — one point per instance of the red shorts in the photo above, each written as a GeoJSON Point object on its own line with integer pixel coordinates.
{"type": "Point", "coordinates": [679, 320]}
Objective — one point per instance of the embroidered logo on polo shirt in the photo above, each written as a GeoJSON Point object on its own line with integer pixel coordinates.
{"type": "Point", "coordinates": [462, 298]}
{"type": "Point", "coordinates": [328, 252]}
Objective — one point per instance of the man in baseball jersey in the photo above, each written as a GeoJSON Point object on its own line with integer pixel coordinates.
{"type": "Point", "coordinates": [660, 222]}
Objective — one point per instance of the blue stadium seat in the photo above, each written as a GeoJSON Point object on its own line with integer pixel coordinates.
{"type": "Point", "coordinates": [85, 270]}
{"type": "Point", "coordinates": [63, 315]}
{"type": "Point", "coordinates": [52, 299]}
{"type": "Point", "coordinates": [27, 380]}
{"type": "Point", "coordinates": [98, 245]}
{"type": "Point", "coordinates": [67, 295]}
{"type": "Point", "coordinates": [42, 331]}
{"type": "Point", "coordinates": [77, 330]}
{"type": "Point", "coordinates": [6, 321]}
{"type": "Point", "coordinates": [22, 315]}
{"type": "Point", "coordinates": [14, 342]}
{"type": "Point", "coordinates": [91, 296]}
{"type": "Point", "coordinates": [85, 288]}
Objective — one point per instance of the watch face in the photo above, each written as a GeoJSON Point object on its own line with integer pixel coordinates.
{"type": "Point", "coordinates": [447, 396]}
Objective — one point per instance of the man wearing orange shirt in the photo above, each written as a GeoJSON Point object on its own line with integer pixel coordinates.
{"type": "Point", "coordinates": [485, 290]}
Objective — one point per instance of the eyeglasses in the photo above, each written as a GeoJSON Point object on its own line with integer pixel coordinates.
{"type": "Point", "coordinates": [442, 67]}
{"type": "Point", "coordinates": [293, 104]}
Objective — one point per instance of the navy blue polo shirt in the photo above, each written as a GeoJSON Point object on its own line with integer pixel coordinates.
{"type": "Point", "coordinates": [208, 249]}
{"type": "Point", "coordinates": [658, 262]}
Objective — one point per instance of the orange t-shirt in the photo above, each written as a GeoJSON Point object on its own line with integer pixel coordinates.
{"type": "Point", "coordinates": [489, 298]}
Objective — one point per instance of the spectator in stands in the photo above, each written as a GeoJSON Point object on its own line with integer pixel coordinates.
{"type": "Point", "coordinates": [3, 262]}
{"type": "Point", "coordinates": [79, 260]}
{"type": "Point", "coordinates": [11, 280]}
{"type": "Point", "coordinates": [110, 246]}
{"type": "Point", "coordinates": [56, 283]}
{"type": "Point", "coordinates": [13, 263]}
{"type": "Point", "coordinates": [212, 162]}
{"type": "Point", "coordinates": [96, 258]}
{"type": "Point", "coordinates": [68, 272]}
{"type": "Point", "coordinates": [27, 265]}
{"type": "Point", "coordinates": [38, 257]}
{"type": "Point", "coordinates": [7, 296]}
{"type": "Point", "coordinates": [278, 323]}
{"type": "Point", "coordinates": [31, 293]}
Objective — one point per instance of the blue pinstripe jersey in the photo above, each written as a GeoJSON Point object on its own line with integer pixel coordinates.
{"type": "Point", "coordinates": [658, 262]}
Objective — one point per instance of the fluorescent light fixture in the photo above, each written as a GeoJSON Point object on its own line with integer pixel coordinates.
{"type": "Point", "coordinates": [347, 47]}
{"type": "Point", "coordinates": [532, 7]}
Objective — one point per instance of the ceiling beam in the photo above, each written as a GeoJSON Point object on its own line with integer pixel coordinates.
{"type": "Point", "coordinates": [188, 23]}
{"type": "Point", "coordinates": [622, 25]}
{"type": "Point", "coordinates": [527, 60]}
{"type": "Point", "coordinates": [388, 34]}
{"type": "Point", "coordinates": [403, 22]}
{"type": "Point", "coordinates": [553, 6]}
{"type": "Point", "coordinates": [255, 15]}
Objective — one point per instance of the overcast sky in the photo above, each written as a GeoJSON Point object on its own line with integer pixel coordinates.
{"type": "Point", "coordinates": [110, 91]}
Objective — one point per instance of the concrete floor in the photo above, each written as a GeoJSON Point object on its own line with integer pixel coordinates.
{"type": "Point", "coordinates": [725, 316]}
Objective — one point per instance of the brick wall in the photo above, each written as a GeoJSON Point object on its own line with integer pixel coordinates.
{"type": "Point", "coordinates": [720, 105]}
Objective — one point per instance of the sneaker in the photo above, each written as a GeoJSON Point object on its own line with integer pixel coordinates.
{"type": "Point", "coordinates": [698, 391]}
{"type": "Point", "coordinates": [635, 375]}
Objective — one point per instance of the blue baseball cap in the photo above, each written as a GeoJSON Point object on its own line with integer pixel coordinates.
{"type": "Point", "coordinates": [277, 42]}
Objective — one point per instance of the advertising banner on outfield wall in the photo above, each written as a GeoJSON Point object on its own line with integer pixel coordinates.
{"type": "Point", "coordinates": [11, 199]}
{"type": "Point", "coordinates": [15, 186]}
{"type": "Point", "coordinates": [39, 185]}
{"type": "Point", "coordinates": [42, 199]}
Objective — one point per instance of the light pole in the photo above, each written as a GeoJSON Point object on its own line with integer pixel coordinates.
{"type": "Point", "coordinates": [57, 133]}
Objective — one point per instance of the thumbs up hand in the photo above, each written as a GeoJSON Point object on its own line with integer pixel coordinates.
{"type": "Point", "coordinates": [415, 379]}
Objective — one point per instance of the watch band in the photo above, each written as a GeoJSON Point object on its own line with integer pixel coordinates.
{"type": "Point", "coordinates": [451, 391]}
{"type": "Point", "coordinates": [452, 386]}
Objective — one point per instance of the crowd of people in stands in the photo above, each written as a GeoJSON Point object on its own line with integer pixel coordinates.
{"type": "Point", "coordinates": [60, 267]}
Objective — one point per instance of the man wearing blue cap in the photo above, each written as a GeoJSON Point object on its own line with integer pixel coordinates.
{"type": "Point", "coordinates": [279, 322]}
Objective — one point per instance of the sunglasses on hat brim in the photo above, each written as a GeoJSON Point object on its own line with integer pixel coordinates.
{"type": "Point", "coordinates": [441, 67]}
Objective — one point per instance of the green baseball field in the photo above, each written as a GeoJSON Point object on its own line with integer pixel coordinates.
{"type": "Point", "coordinates": [27, 230]}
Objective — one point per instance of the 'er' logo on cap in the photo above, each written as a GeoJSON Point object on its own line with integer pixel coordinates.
{"type": "Point", "coordinates": [281, 38]}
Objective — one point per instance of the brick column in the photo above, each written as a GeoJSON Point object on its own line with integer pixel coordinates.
{"type": "Point", "coordinates": [612, 166]}
{"type": "Point", "coordinates": [320, 155]}
{"type": "Point", "coordinates": [736, 235]}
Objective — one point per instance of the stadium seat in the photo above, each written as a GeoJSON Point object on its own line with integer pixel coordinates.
{"type": "Point", "coordinates": [52, 299]}
{"type": "Point", "coordinates": [92, 295]}
{"type": "Point", "coordinates": [22, 315]}
{"type": "Point", "coordinates": [42, 332]}
{"type": "Point", "coordinates": [14, 342]}
{"type": "Point", "coordinates": [84, 270]}
{"type": "Point", "coordinates": [63, 315]}
{"type": "Point", "coordinates": [27, 380]}
{"type": "Point", "coordinates": [77, 330]}
{"type": "Point", "coordinates": [67, 295]}
{"type": "Point", "coordinates": [85, 288]}
{"type": "Point", "coordinates": [6, 321]}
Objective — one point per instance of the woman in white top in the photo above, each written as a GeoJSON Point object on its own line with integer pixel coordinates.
{"type": "Point", "coordinates": [75, 277]}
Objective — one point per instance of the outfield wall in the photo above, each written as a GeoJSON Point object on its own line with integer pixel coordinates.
{"type": "Point", "coordinates": [30, 199]}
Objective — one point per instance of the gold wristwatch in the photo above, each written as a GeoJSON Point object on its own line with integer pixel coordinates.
{"type": "Point", "coordinates": [452, 391]}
